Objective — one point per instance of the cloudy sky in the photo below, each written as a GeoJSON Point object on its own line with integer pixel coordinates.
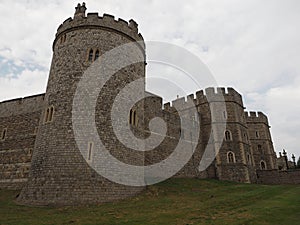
{"type": "Point", "coordinates": [253, 46]}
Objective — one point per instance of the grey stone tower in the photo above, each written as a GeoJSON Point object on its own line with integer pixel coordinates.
{"type": "Point", "coordinates": [235, 159]}
{"type": "Point", "coordinates": [59, 173]}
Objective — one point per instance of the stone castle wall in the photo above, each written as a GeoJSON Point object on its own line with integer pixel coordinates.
{"type": "Point", "coordinates": [244, 165]}
{"type": "Point", "coordinates": [278, 177]}
{"type": "Point", "coordinates": [43, 153]}
{"type": "Point", "coordinates": [261, 140]}
{"type": "Point", "coordinates": [20, 118]}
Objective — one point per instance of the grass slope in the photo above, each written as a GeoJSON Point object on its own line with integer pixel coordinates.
{"type": "Point", "coordinates": [176, 201]}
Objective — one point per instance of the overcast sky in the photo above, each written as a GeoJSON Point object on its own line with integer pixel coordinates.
{"type": "Point", "coordinates": [251, 45]}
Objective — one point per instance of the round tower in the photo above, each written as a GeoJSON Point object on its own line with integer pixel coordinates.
{"type": "Point", "coordinates": [59, 173]}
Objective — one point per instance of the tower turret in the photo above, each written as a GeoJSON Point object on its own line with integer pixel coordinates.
{"type": "Point", "coordinates": [80, 10]}
{"type": "Point", "coordinates": [59, 172]}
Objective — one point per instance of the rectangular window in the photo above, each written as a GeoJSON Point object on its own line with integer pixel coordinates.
{"type": "Point", "coordinates": [225, 114]}
{"type": "Point", "coordinates": [46, 115]}
{"type": "Point", "coordinates": [90, 151]}
{"type": "Point", "coordinates": [4, 133]}
{"type": "Point", "coordinates": [134, 118]}
{"type": "Point", "coordinates": [49, 114]}
{"type": "Point", "coordinates": [35, 130]}
{"type": "Point", "coordinates": [257, 134]}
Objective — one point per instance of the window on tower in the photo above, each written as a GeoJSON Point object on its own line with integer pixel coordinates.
{"type": "Point", "coordinates": [228, 136]}
{"type": "Point", "coordinates": [133, 118]}
{"type": "Point", "coordinates": [225, 115]}
{"type": "Point", "coordinates": [63, 39]}
{"type": "Point", "coordinates": [246, 136]}
{"type": "Point", "coordinates": [230, 157]}
{"type": "Point", "coordinates": [97, 54]}
{"type": "Point", "coordinates": [263, 165]}
{"type": "Point", "coordinates": [90, 151]}
{"type": "Point", "coordinates": [35, 130]}
{"type": "Point", "coordinates": [49, 114]}
{"type": "Point", "coordinates": [257, 134]}
{"type": "Point", "coordinates": [249, 159]}
{"type": "Point", "coordinates": [4, 133]}
{"type": "Point", "coordinates": [130, 117]}
{"type": "Point", "coordinates": [91, 55]}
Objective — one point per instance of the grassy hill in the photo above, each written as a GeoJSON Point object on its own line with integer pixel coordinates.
{"type": "Point", "coordinates": [176, 201]}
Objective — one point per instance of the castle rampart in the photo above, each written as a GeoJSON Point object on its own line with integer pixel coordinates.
{"type": "Point", "coordinates": [39, 150]}
{"type": "Point", "coordinates": [106, 22]}
{"type": "Point", "coordinates": [21, 105]}
{"type": "Point", "coordinates": [256, 117]}
{"type": "Point", "coordinates": [20, 120]}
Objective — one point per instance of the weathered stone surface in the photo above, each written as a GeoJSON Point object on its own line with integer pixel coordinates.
{"type": "Point", "coordinates": [59, 173]}
{"type": "Point", "coordinates": [42, 155]}
{"type": "Point", "coordinates": [278, 177]}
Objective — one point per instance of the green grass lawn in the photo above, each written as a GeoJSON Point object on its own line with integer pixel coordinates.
{"type": "Point", "coordinates": [176, 201]}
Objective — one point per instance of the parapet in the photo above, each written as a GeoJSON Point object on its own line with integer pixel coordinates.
{"type": "Point", "coordinates": [210, 94]}
{"type": "Point", "coordinates": [152, 101]}
{"type": "Point", "coordinates": [219, 94]}
{"type": "Point", "coordinates": [22, 105]}
{"type": "Point", "coordinates": [93, 20]}
{"type": "Point", "coordinates": [256, 117]}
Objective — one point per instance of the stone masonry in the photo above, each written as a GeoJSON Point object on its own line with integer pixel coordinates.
{"type": "Point", "coordinates": [38, 151]}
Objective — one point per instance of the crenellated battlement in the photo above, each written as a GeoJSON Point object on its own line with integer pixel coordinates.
{"type": "Point", "coordinates": [21, 105]}
{"type": "Point", "coordinates": [221, 94]}
{"type": "Point", "coordinates": [93, 20]}
{"type": "Point", "coordinates": [44, 124]}
{"type": "Point", "coordinates": [256, 117]}
{"type": "Point", "coordinates": [210, 94]}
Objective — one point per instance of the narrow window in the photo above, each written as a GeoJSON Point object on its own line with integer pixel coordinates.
{"type": "Point", "coordinates": [227, 135]}
{"type": "Point", "coordinates": [263, 165]}
{"type": "Point", "coordinates": [91, 54]}
{"type": "Point", "coordinates": [260, 150]}
{"type": "Point", "coordinates": [35, 130]}
{"type": "Point", "coordinates": [182, 134]}
{"type": "Point", "coordinates": [134, 118]}
{"type": "Point", "coordinates": [90, 150]}
{"type": "Point", "coordinates": [4, 132]}
{"type": "Point", "coordinates": [230, 157]}
{"type": "Point", "coordinates": [225, 114]}
{"type": "Point", "coordinates": [51, 114]}
{"type": "Point", "coordinates": [47, 115]}
{"type": "Point", "coordinates": [257, 134]}
{"type": "Point", "coordinates": [130, 117]}
{"type": "Point", "coordinates": [97, 55]}
{"type": "Point", "coordinates": [249, 159]}
{"type": "Point", "coordinates": [64, 38]}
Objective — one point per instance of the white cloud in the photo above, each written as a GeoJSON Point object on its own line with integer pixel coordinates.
{"type": "Point", "coordinates": [283, 109]}
{"type": "Point", "coordinates": [251, 45]}
{"type": "Point", "coordinates": [24, 84]}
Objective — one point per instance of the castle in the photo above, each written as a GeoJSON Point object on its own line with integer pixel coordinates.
{"type": "Point", "coordinates": [38, 151]}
